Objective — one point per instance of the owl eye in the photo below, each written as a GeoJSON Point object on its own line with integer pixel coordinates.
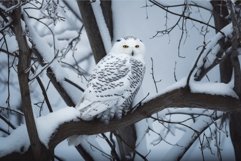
{"type": "Point", "coordinates": [137, 46]}
{"type": "Point", "coordinates": [125, 46]}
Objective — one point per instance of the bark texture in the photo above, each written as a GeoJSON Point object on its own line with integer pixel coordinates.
{"type": "Point", "coordinates": [38, 151]}
{"type": "Point", "coordinates": [227, 66]}
{"type": "Point", "coordinates": [92, 30]}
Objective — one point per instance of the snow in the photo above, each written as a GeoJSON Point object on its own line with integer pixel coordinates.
{"type": "Point", "coordinates": [141, 142]}
{"type": "Point", "coordinates": [13, 47]}
{"type": "Point", "coordinates": [75, 93]}
{"type": "Point", "coordinates": [74, 6]}
{"type": "Point", "coordinates": [64, 151]}
{"type": "Point", "coordinates": [18, 141]}
{"type": "Point", "coordinates": [213, 89]}
{"type": "Point", "coordinates": [58, 117]}
{"type": "Point", "coordinates": [213, 47]}
{"type": "Point", "coordinates": [47, 45]}
{"type": "Point", "coordinates": [49, 54]}
{"type": "Point", "coordinates": [96, 148]}
{"type": "Point", "coordinates": [189, 135]}
{"type": "Point", "coordinates": [179, 84]}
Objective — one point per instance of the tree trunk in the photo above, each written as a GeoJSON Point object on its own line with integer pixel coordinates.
{"type": "Point", "coordinates": [220, 12]}
{"type": "Point", "coordinates": [226, 69]}
{"type": "Point", "coordinates": [39, 151]}
{"type": "Point", "coordinates": [235, 133]}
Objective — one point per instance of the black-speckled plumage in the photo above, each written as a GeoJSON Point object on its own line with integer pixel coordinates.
{"type": "Point", "coordinates": [115, 81]}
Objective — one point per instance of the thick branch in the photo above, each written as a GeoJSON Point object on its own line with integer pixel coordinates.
{"type": "Point", "coordinates": [67, 99]}
{"type": "Point", "coordinates": [220, 12]}
{"type": "Point", "coordinates": [235, 46]}
{"type": "Point", "coordinates": [92, 29]}
{"type": "Point", "coordinates": [107, 12]}
{"type": "Point", "coordinates": [176, 98]}
{"type": "Point", "coordinates": [234, 122]}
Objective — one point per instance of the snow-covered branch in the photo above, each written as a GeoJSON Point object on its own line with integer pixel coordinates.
{"type": "Point", "coordinates": [176, 98]}
{"type": "Point", "coordinates": [211, 56]}
{"type": "Point", "coordinates": [63, 127]}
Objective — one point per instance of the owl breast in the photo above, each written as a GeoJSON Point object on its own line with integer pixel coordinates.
{"type": "Point", "coordinates": [135, 79]}
{"type": "Point", "coordinates": [115, 74]}
{"type": "Point", "coordinates": [137, 72]}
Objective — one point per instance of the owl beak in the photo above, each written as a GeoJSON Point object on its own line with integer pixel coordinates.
{"type": "Point", "coordinates": [132, 53]}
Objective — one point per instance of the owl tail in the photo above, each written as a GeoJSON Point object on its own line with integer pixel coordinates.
{"type": "Point", "coordinates": [93, 110]}
{"type": "Point", "coordinates": [89, 110]}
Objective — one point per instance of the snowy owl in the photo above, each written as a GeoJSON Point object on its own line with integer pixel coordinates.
{"type": "Point", "coordinates": [114, 82]}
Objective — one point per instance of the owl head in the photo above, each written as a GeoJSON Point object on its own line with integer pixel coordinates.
{"type": "Point", "coordinates": [129, 46]}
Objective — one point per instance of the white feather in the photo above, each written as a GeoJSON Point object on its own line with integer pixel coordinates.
{"type": "Point", "coordinates": [114, 82]}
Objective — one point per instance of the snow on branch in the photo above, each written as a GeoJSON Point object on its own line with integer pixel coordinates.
{"type": "Point", "coordinates": [47, 52]}
{"type": "Point", "coordinates": [18, 140]}
{"type": "Point", "coordinates": [212, 53]}
{"type": "Point", "coordinates": [65, 122]}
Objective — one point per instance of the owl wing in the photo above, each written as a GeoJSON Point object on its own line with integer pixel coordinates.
{"type": "Point", "coordinates": [135, 78]}
{"type": "Point", "coordinates": [106, 86]}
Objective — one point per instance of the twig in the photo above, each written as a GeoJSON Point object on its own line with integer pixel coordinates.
{"type": "Point", "coordinates": [7, 122]}
{"type": "Point", "coordinates": [84, 153]}
{"type": "Point", "coordinates": [142, 156]}
{"type": "Point", "coordinates": [73, 11]}
{"type": "Point", "coordinates": [194, 66]}
{"type": "Point", "coordinates": [139, 103]}
{"type": "Point", "coordinates": [175, 67]}
{"type": "Point", "coordinates": [11, 110]}
{"type": "Point", "coordinates": [44, 94]}
{"type": "Point", "coordinates": [186, 17]}
{"type": "Point", "coordinates": [74, 84]}
{"type": "Point", "coordinates": [5, 131]}
{"type": "Point", "coordinates": [102, 152]}
{"type": "Point", "coordinates": [112, 146]}
{"type": "Point", "coordinates": [153, 77]}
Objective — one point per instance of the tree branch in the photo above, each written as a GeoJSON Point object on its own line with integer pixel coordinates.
{"type": "Point", "coordinates": [92, 30]}
{"type": "Point", "coordinates": [181, 97]}
{"type": "Point", "coordinates": [107, 13]}
{"type": "Point", "coordinates": [165, 8]}
{"type": "Point", "coordinates": [176, 98]}
{"type": "Point", "coordinates": [67, 99]}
